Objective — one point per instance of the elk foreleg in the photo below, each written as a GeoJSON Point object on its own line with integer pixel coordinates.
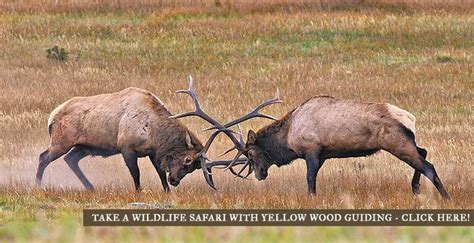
{"type": "Point", "coordinates": [313, 164]}
{"type": "Point", "coordinates": [161, 173]}
{"type": "Point", "coordinates": [130, 158]}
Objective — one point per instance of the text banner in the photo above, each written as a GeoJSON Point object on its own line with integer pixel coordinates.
{"type": "Point", "coordinates": [271, 217]}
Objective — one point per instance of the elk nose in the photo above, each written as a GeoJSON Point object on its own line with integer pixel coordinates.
{"type": "Point", "coordinates": [262, 175]}
{"type": "Point", "coordinates": [174, 181]}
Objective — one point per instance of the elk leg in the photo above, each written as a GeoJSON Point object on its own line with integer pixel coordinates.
{"type": "Point", "coordinates": [430, 172]}
{"type": "Point", "coordinates": [72, 159]}
{"type": "Point", "coordinates": [131, 162]}
{"type": "Point", "coordinates": [409, 153]}
{"type": "Point", "coordinates": [415, 182]}
{"type": "Point", "coordinates": [313, 164]}
{"type": "Point", "coordinates": [161, 173]}
{"type": "Point", "coordinates": [48, 156]}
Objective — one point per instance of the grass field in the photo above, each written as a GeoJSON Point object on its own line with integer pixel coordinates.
{"type": "Point", "coordinates": [417, 55]}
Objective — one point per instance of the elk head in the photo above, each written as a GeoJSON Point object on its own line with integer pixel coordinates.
{"type": "Point", "coordinates": [183, 162]}
{"type": "Point", "coordinates": [257, 156]}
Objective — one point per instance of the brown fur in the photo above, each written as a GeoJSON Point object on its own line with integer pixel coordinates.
{"type": "Point", "coordinates": [132, 122]}
{"type": "Point", "coordinates": [324, 127]}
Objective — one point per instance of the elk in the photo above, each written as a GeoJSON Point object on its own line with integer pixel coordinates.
{"type": "Point", "coordinates": [324, 127]}
{"type": "Point", "coordinates": [132, 122]}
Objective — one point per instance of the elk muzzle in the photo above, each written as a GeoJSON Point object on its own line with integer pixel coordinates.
{"type": "Point", "coordinates": [261, 174]}
{"type": "Point", "coordinates": [173, 181]}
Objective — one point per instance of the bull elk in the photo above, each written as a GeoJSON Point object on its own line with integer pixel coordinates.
{"type": "Point", "coordinates": [324, 127]}
{"type": "Point", "coordinates": [132, 122]}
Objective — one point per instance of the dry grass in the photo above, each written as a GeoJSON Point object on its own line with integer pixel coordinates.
{"type": "Point", "coordinates": [242, 6]}
{"type": "Point", "coordinates": [421, 61]}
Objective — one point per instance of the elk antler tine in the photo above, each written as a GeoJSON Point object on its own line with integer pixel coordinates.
{"type": "Point", "coordinates": [267, 116]}
{"type": "Point", "coordinates": [243, 168]}
{"type": "Point", "coordinates": [250, 170]}
{"type": "Point", "coordinates": [235, 173]}
{"type": "Point", "coordinates": [208, 129]}
{"type": "Point", "coordinates": [182, 91]}
{"type": "Point", "coordinates": [207, 174]}
{"type": "Point", "coordinates": [190, 81]}
{"type": "Point", "coordinates": [256, 111]}
{"type": "Point", "coordinates": [225, 163]}
{"type": "Point", "coordinates": [227, 151]}
{"type": "Point", "coordinates": [191, 113]}
{"type": "Point", "coordinates": [241, 134]}
{"type": "Point", "coordinates": [226, 130]}
{"type": "Point", "coordinates": [234, 160]}
{"type": "Point", "coordinates": [240, 161]}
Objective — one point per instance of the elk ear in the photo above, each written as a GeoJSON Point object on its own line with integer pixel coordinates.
{"type": "Point", "coordinates": [251, 137]}
{"type": "Point", "coordinates": [189, 141]}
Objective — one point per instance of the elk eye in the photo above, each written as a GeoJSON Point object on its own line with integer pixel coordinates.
{"type": "Point", "coordinates": [188, 160]}
{"type": "Point", "coordinates": [251, 153]}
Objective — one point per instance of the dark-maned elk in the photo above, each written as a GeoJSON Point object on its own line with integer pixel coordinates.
{"type": "Point", "coordinates": [324, 127]}
{"type": "Point", "coordinates": [132, 122]}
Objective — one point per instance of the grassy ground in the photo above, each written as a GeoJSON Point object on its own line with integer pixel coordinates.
{"type": "Point", "coordinates": [418, 59]}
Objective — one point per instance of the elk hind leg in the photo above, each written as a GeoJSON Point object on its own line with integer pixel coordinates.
{"type": "Point", "coordinates": [415, 182]}
{"type": "Point", "coordinates": [48, 156]}
{"type": "Point", "coordinates": [72, 160]}
{"type": "Point", "coordinates": [414, 156]}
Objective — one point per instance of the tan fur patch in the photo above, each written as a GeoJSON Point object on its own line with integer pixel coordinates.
{"type": "Point", "coordinates": [56, 111]}
{"type": "Point", "coordinates": [403, 116]}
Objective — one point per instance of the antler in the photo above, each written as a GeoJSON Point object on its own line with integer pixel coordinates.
{"type": "Point", "coordinates": [238, 144]}
{"type": "Point", "coordinates": [206, 168]}
{"type": "Point", "coordinates": [239, 161]}
{"type": "Point", "coordinates": [254, 113]}
{"type": "Point", "coordinates": [200, 113]}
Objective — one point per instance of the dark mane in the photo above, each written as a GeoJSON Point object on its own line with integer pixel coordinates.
{"type": "Point", "coordinates": [273, 140]}
{"type": "Point", "coordinates": [275, 126]}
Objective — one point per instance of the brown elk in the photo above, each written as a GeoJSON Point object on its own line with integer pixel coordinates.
{"type": "Point", "coordinates": [132, 122]}
{"type": "Point", "coordinates": [324, 127]}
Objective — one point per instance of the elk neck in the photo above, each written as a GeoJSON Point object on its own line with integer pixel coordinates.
{"type": "Point", "coordinates": [273, 140]}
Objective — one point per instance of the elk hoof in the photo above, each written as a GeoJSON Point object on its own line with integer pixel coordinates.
{"type": "Point", "coordinates": [91, 189]}
{"type": "Point", "coordinates": [416, 190]}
